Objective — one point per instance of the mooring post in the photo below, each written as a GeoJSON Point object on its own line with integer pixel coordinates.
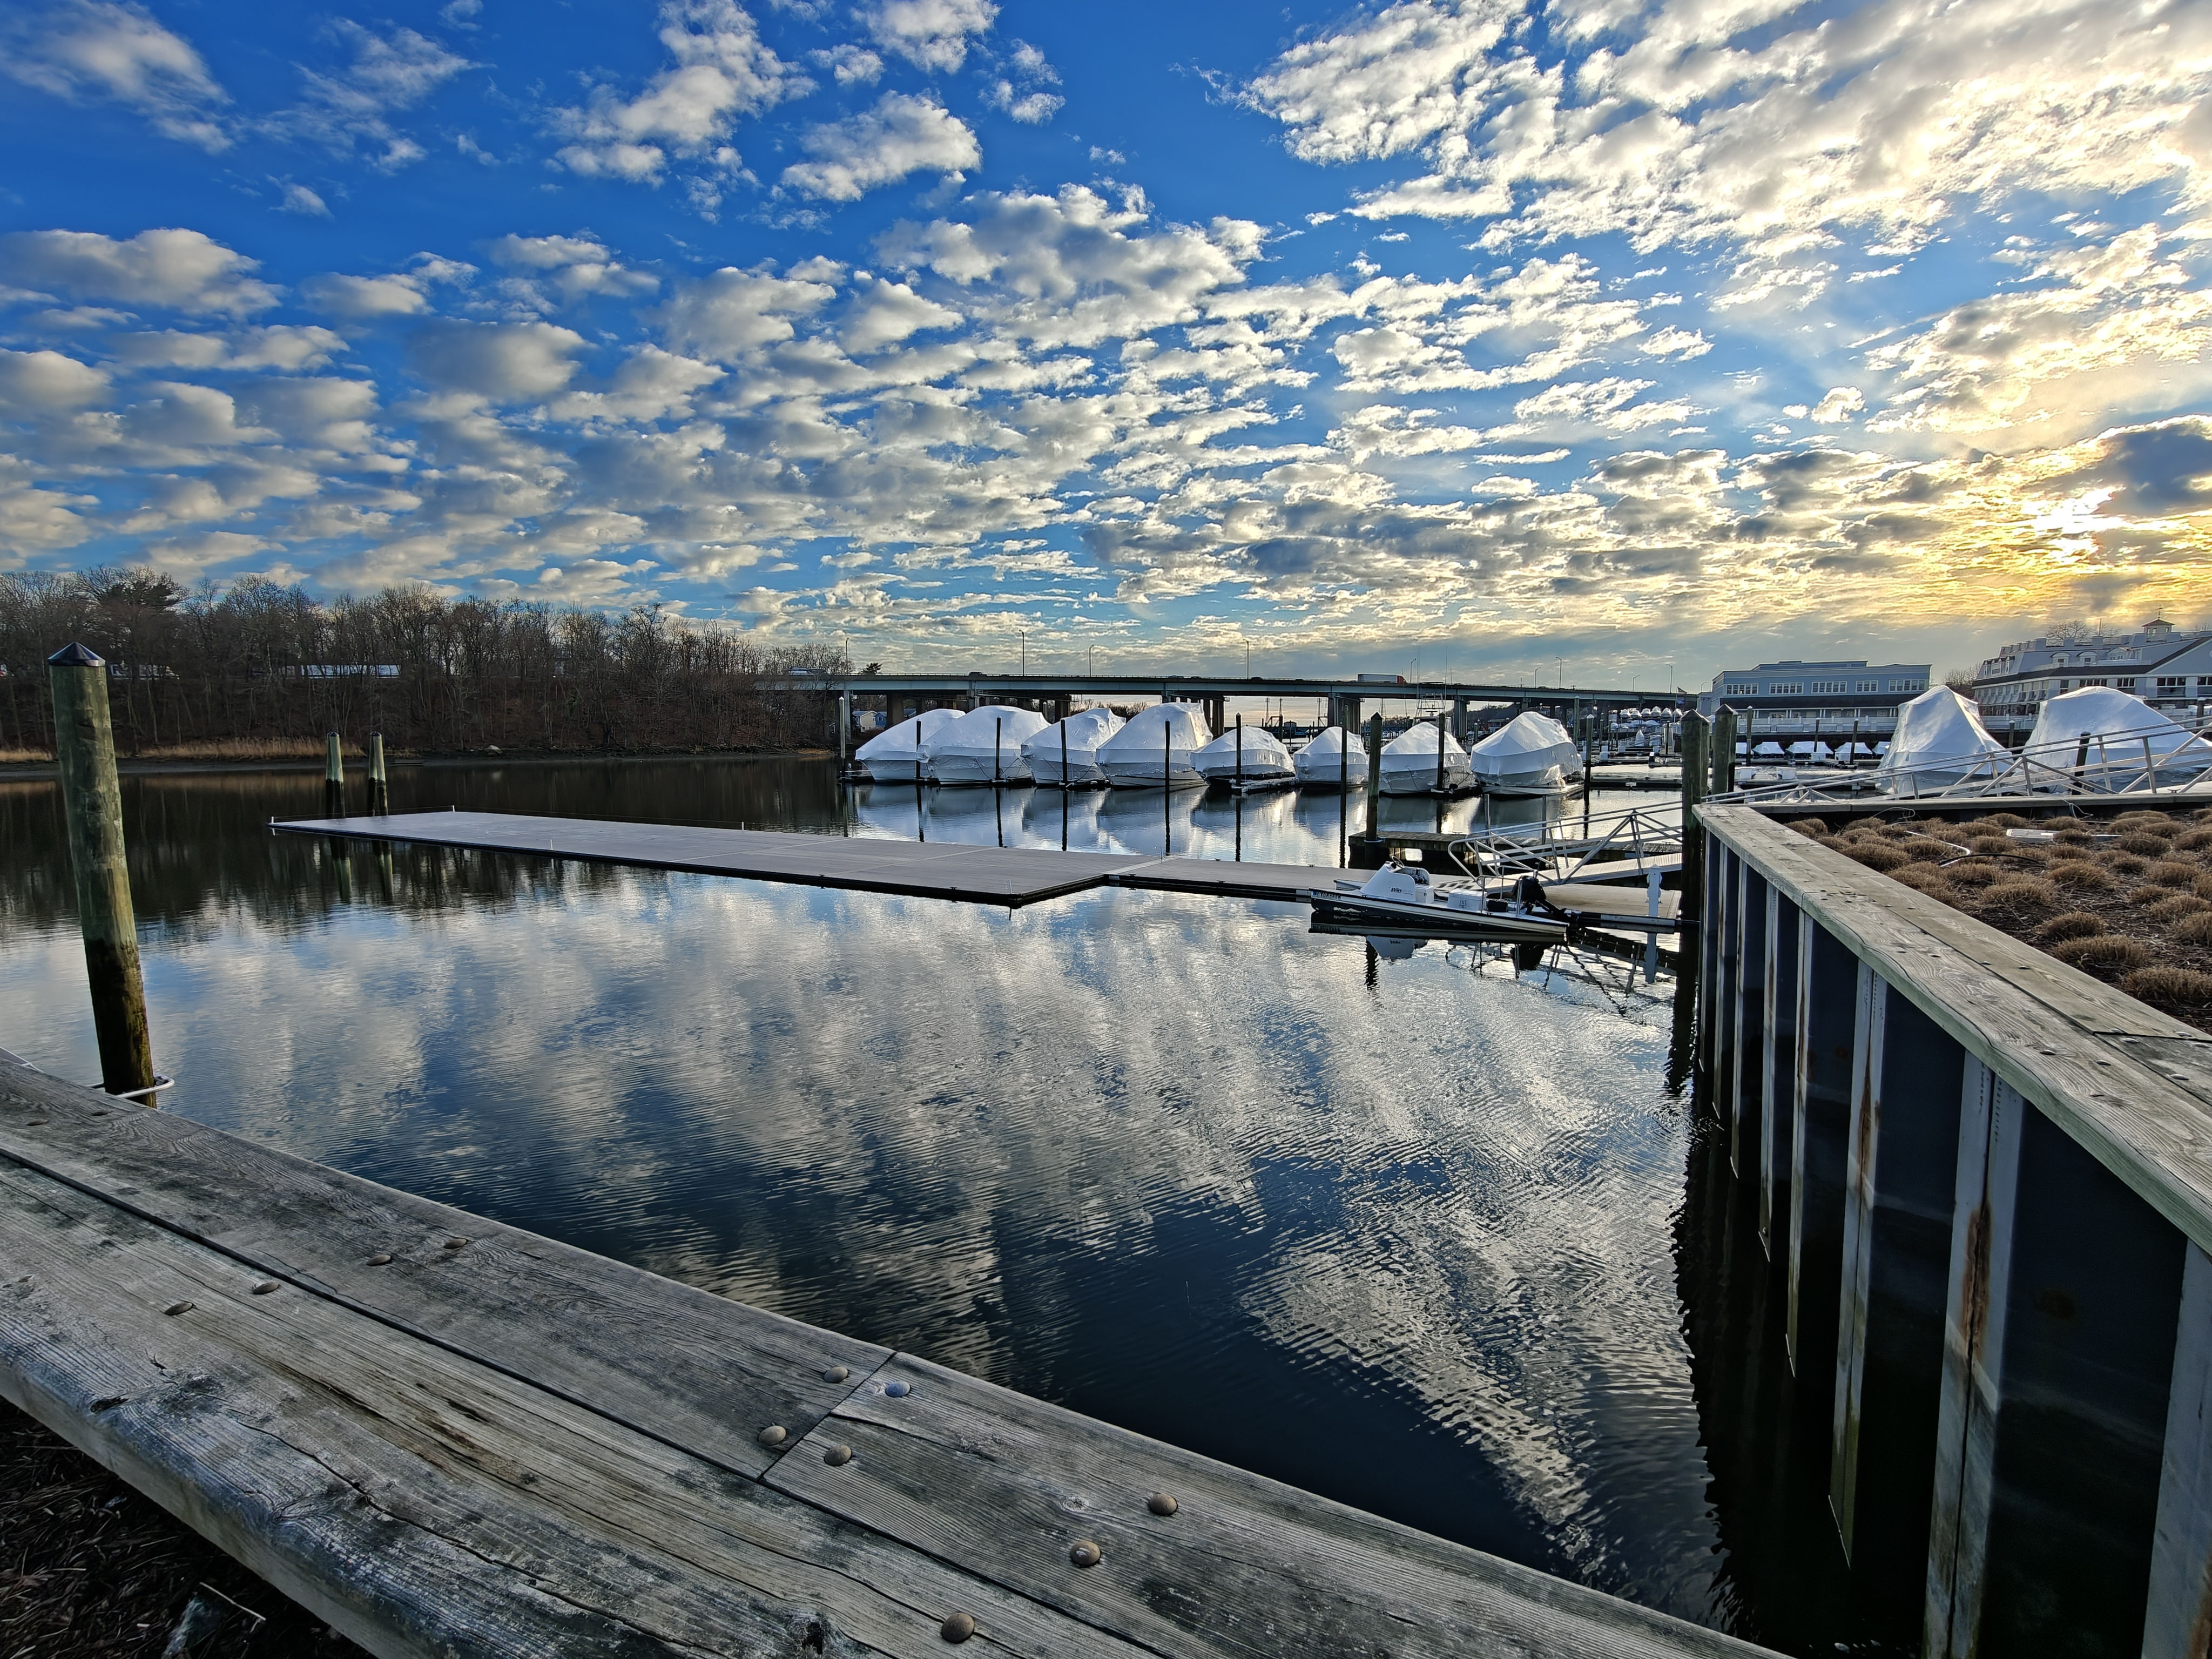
{"type": "Point", "coordinates": [1746, 1010]}
{"type": "Point", "coordinates": [333, 778]}
{"type": "Point", "coordinates": [380, 788]}
{"type": "Point", "coordinates": [2181, 1549]}
{"type": "Point", "coordinates": [844, 726]}
{"type": "Point", "coordinates": [1368, 854]}
{"type": "Point", "coordinates": [91, 801]}
{"type": "Point", "coordinates": [1724, 751]}
{"type": "Point", "coordinates": [1693, 833]}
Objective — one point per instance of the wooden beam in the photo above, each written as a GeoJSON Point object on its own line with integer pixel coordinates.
{"type": "Point", "coordinates": [1779, 1064]}
{"type": "Point", "coordinates": [1827, 1014]}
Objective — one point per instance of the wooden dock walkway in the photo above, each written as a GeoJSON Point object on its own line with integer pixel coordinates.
{"type": "Point", "coordinates": [448, 1437]}
{"type": "Point", "coordinates": [1011, 876]}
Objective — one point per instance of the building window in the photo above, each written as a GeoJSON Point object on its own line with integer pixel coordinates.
{"type": "Point", "coordinates": [2128, 684]}
{"type": "Point", "coordinates": [2085, 684]}
{"type": "Point", "coordinates": [2173, 685]}
{"type": "Point", "coordinates": [1908, 685]}
{"type": "Point", "coordinates": [1865, 685]}
{"type": "Point", "coordinates": [1741, 688]}
{"type": "Point", "coordinates": [1828, 687]}
{"type": "Point", "coordinates": [1786, 689]}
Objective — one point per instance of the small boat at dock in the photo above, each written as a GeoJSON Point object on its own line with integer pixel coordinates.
{"type": "Point", "coordinates": [897, 755]}
{"type": "Point", "coordinates": [1064, 755]}
{"type": "Point", "coordinates": [1246, 757]}
{"type": "Point", "coordinates": [1158, 747]}
{"type": "Point", "coordinates": [1335, 760]}
{"type": "Point", "coordinates": [1530, 755]}
{"type": "Point", "coordinates": [1410, 761]}
{"type": "Point", "coordinates": [982, 746]}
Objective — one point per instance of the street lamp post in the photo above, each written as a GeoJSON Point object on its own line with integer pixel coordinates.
{"type": "Point", "coordinates": [1025, 653]}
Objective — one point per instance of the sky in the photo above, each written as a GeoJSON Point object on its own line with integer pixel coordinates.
{"type": "Point", "coordinates": [1594, 341]}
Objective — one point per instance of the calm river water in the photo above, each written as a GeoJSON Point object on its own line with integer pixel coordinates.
{"type": "Point", "coordinates": [1407, 1232]}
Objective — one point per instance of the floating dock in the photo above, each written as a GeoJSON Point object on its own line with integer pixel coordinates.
{"type": "Point", "coordinates": [1011, 876]}
{"type": "Point", "coordinates": [444, 1436]}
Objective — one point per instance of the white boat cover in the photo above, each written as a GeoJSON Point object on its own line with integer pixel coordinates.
{"type": "Point", "coordinates": [1264, 756]}
{"type": "Point", "coordinates": [1409, 761]}
{"type": "Point", "coordinates": [895, 755]}
{"type": "Point", "coordinates": [1530, 751]}
{"type": "Point", "coordinates": [1768, 750]}
{"type": "Point", "coordinates": [2117, 725]}
{"type": "Point", "coordinates": [1327, 761]}
{"type": "Point", "coordinates": [1083, 732]}
{"type": "Point", "coordinates": [1939, 741]}
{"type": "Point", "coordinates": [982, 746]}
{"type": "Point", "coordinates": [1811, 749]}
{"type": "Point", "coordinates": [1156, 744]}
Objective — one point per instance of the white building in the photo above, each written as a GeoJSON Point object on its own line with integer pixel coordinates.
{"type": "Point", "coordinates": [2160, 663]}
{"type": "Point", "coordinates": [1829, 697]}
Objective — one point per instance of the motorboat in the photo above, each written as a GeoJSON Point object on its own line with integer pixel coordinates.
{"type": "Point", "coordinates": [1530, 754]}
{"type": "Point", "coordinates": [1065, 752]}
{"type": "Point", "coordinates": [1410, 765]}
{"type": "Point", "coordinates": [2101, 737]}
{"type": "Point", "coordinates": [1940, 742]}
{"type": "Point", "coordinates": [984, 745]}
{"type": "Point", "coordinates": [896, 755]}
{"type": "Point", "coordinates": [1768, 750]}
{"type": "Point", "coordinates": [1156, 747]}
{"type": "Point", "coordinates": [1813, 750]}
{"type": "Point", "coordinates": [1402, 895]}
{"type": "Point", "coordinates": [1250, 755]}
{"type": "Point", "coordinates": [1334, 759]}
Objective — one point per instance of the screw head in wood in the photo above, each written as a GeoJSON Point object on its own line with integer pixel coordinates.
{"type": "Point", "coordinates": [455, 1244]}
{"type": "Point", "coordinates": [1084, 1553]}
{"type": "Point", "coordinates": [381, 1259]}
{"type": "Point", "coordinates": [773, 1434]}
{"type": "Point", "coordinates": [35, 1123]}
{"type": "Point", "coordinates": [835, 1374]}
{"type": "Point", "coordinates": [265, 1287]}
{"type": "Point", "coordinates": [1162, 1502]}
{"type": "Point", "coordinates": [957, 1626]}
{"type": "Point", "coordinates": [177, 1307]}
{"type": "Point", "coordinates": [896, 1390]}
{"type": "Point", "coordinates": [837, 1456]}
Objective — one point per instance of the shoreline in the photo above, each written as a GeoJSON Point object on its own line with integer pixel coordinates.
{"type": "Point", "coordinates": [48, 771]}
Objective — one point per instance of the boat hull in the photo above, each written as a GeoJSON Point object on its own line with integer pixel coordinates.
{"type": "Point", "coordinates": [1180, 773]}
{"type": "Point", "coordinates": [973, 768]}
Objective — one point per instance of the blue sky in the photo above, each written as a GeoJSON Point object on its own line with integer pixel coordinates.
{"type": "Point", "coordinates": [1457, 338]}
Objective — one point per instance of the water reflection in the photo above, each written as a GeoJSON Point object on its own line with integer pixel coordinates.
{"type": "Point", "coordinates": [1397, 1232]}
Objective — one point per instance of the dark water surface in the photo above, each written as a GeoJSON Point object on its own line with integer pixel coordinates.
{"type": "Point", "coordinates": [1404, 1232]}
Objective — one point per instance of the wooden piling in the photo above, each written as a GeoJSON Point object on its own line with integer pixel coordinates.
{"type": "Point", "coordinates": [379, 788]}
{"type": "Point", "coordinates": [91, 801]}
{"type": "Point", "coordinates": [333, 778]}
{"type": "Point", "coordinates": [1724, 751]}
{"type": "Point", "coordinates": [1693, 834]}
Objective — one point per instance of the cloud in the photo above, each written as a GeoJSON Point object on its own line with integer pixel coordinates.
{"type": "Point", "coordinates": [577, 266]}
{"type": "Point", "coordinates": [722, 70]}
{"type": "Point", "coordinates": [930, 35]}
{"type": "Point", "coordinates": [348, 108]}
{"type": "Point", "coordinates": [1024, 95]}
{"type": "Point", "coordinates": [298, 198]}
{"type": "Point", "coordinates": [902, 135]}
{"type": "Point", "coordinates": [38, 384]}
{"type": "Point", "coordinates": [286, 346]}
{"type": "Point", "coordinates": [730, 313]}
{"type": "Point", "coordinates": [176, 270]}
{"type": "Point", "coordinates": [501, 363]}
{"type": "Point", "coordinates": [852, 65]}
{"type": "Point", "coordinates": [888, 313]}
{"type": "Point", "coordinates": [90, 49]}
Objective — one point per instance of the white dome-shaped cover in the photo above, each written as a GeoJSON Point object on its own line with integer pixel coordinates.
{"type": "Point", "coordinates": [984, 745]}
{"type": "Point", "coordinates": [896, 755]}
{"type": "Point", "coordinates": [1157, 745]}
{"type": "Point", "coordinates": [1264, 756]}
{"type": "Point", "coordinates": [1939, 741]}
{"type": "Point", "coordinates": [1409, 761]}
{"type": "Point", "coordinates": [1082, 733]}
{"type": "Point", "coordinates": [1530, 751]}
{"type": "Point", "coordinates": [1334, 755]}
{"type": "Point", "coordinates": [2117, 726]}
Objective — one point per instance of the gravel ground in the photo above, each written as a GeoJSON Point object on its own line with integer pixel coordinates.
{"type": "Point", "coordinates": [2127, 900]}
{"type": "Point", "coordinates": [88, 1567]}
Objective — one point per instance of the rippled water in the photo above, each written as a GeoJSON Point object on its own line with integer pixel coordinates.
{"type": "Point", "coordinates": [1401, 1231]}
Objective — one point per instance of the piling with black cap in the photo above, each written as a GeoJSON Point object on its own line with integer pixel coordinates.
{"type": "Point", "coordinates": [1367, 847]}
{"type": "Point", "coordinates": [91, 801]}
{"type": "Point", "coordinates": [333, 778]}
{"type": "Point", "coordinates": [379, 789]}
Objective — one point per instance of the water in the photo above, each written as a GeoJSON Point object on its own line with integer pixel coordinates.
{"type": "Point", "coordinates": [1404, 1232]}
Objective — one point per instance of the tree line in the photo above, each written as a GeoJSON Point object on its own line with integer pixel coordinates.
{"type": "Point", "coordinates": [260, 665]}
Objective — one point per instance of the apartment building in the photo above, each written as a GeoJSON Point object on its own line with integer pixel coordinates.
{"type": "Point", "coordinates": [2159, 663]}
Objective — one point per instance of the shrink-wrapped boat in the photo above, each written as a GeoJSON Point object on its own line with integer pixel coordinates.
{"type": "Point", "coordinates": [1409, 761]}
{"type": "Point", "coordinates": [1157, 746]}
{"type": "Point", "coordinates": [2100, 737]}
{"type": "Point", "coordinates": [896, 755]}
{"type": "Point", "coordinates": [1244, 754]}
{"type": "Point", "coordinates": [1074, 744]}
{"type": "Point", "coordinates": [1939, 742]}
{"type": "Point", "coordinates": [984, 745]}
{"type": "Point", "coordinates": [1334, 758]}
{"type": "Point", "coordinates": [1531, 753]}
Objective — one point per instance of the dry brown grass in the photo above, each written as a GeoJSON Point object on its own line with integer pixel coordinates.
{"type": "Point", "coordinates": [2172, 872]}
{"type": "Point", "coordinates": [2174, 908]}
{"type": "Point", "coordinates": [2204, 886]}
{"type": "Point", "coordinates": [2016, 903]}
{"type": "Point", "coordinates": [2103, 950]}
{"type": "Point", "coordinates": [2073, 847]}
{"type": "Point", "coordinates": [2193, 841]}
{"type": "Point", "coordinates": [2194, 930]}
{"type": "Point", "coordinates": [1976, 872]}
{"type": "Point", "coordinates": [1926, 849]}
{"type": "Point", "coordinates": [1875, 854]}
{"type": "Point", "coordinates": [2074, 924]}
{"type": "Point", "coordinates": [2144, 844]}
{"type": "Point", "coordinates": [1815, 828]}
{"type": "Point", "coordinates": [2170, 988]}
{"type": "Point", "coordinates": [2085, 875]}
{"type": "Point", "coordinates": [1928, 879]}
{"type": "Point", "coordinates": [2158, 823]}
{"type": "Point", "coordinates": [2125, 864]}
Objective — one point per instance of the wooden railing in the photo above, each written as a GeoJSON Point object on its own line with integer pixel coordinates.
{"type": "Point", "coordinates": [1985, 1179]}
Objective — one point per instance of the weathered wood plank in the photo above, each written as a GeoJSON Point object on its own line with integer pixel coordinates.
{"type": "Point", "coordinates": [2177, 1624]}
{"type": "Point", "coordinates": [696, 1369]}
{"type": "Point", "coordinates": [424, 1503]}
{"type": "Point", "coordinates": [2049, 1031]}
{"type": "Point", "coordinates": [1005, 1486]}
